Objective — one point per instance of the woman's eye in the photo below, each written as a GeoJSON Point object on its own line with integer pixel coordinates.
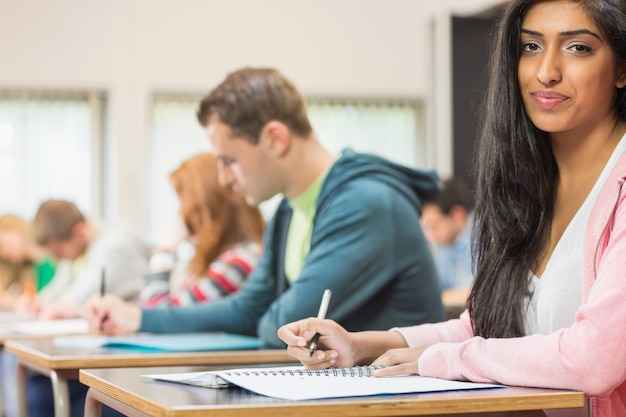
{"type": "Point", "coordinates": [530, 47]}
{"type": "Point", "coordinates": [579, 48]}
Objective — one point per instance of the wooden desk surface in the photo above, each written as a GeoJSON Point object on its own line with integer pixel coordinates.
{"type": "Point", "coordinates": [62, 363]}
{"type": "Point", "coordinates": [165, 399]}
{"type": "Point", "coordinates": [43, 353]}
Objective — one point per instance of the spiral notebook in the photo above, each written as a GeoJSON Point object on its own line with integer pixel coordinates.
{"type": "Point", "coordinates": [298, 383]}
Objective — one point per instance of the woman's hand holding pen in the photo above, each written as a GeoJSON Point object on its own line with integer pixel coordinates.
{"type": "Point", "coordinates": [339, 348]}
{"type": "Point", "coordinates": [334, 349]}
{"type": "Point", "coordinates": [111, 315]}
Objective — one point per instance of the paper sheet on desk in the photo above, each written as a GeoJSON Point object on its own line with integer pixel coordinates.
{"type": "Point", "coordinates": [197, 379]}
{"type": "Point", "coordinates": [297, 383]}
{"type": "Point", "coordinates": [46, 327]}
{"type": "Point", "coordinates": [10, 317]}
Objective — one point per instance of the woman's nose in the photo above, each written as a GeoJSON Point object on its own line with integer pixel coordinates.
{"type": "Point", "coordinates": [549, 70]}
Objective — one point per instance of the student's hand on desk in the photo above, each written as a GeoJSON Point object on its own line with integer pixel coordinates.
{"type": "Point", "coordinates": [334, 348]}
{"type": "Point", "coordinates": [59, 310]}
{"type": "Point", "coordinates": [111, 315]}
{"type": "Point", "coordinates": [401, 361]}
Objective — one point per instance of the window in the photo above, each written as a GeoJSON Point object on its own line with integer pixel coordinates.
{"type": "Point", "coordinates": [175, 136]}
{"type": "Point", "coordinates": [49, 148]}
{"type": "Point", "coordinates": [391, 128]}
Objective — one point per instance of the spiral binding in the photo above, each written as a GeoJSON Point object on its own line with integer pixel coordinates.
{"type": "Point", "coordinates": [352, 372]}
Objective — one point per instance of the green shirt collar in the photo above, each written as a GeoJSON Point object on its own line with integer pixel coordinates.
{"type": "Point", "coordinates": [306, 202]}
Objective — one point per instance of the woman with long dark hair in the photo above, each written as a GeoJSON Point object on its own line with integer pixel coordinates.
{"type": "Point", "coordinates": [547, 307]}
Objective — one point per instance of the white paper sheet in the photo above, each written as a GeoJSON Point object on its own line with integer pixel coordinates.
{"type": "Point", "coordinates": [46, 327]}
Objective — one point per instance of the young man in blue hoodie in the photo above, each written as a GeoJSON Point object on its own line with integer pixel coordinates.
{"type": "Point", "coordinates": [349, 224]}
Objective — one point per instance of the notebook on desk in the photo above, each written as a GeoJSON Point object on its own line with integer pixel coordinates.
{"type": "Point", "coordinates": [298, 383]}
{"type": "Point", "coordinates": [167, 342]}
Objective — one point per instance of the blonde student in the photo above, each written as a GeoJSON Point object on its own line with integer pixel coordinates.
{"type": "Point", "coordinates": [547, 305]}
{"type": "Point", "coordinates": [25, 267]}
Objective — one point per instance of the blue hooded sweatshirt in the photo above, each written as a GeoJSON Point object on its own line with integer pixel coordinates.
{"type": "Point", "coordinates": [367, 247]}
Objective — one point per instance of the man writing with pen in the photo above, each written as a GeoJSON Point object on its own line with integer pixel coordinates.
{"type": "Point", "coordinates": [348, 223]}
{"type": "Point", "coordinates": [86, 248]}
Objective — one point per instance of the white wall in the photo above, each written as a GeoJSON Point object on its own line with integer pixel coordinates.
{"type": "Point", "coordinates": [131, 48]}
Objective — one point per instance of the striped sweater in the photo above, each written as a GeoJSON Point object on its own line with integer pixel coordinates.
{"type": "Point", "coordinates": [224, 276]}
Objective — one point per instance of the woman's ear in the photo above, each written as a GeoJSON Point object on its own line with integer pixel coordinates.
{"type": "Point", "coordinates": [458, 212]}
{"type": "Point", "coordinates": [79, 230]}
{"type": "Point", "coordinates": [621, 78]}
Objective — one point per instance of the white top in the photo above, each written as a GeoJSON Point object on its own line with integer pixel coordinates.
{"type": "Point", "coordinates": [123, 255]}
{"type": "Point", "coordinates": [558, 294]}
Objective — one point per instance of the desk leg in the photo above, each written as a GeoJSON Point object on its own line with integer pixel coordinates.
{"type": "Point", "coordinates": [95, 399]}
{"type": "Point", "coordinates": [60, 391]}
{"type": "Point", "coordinates": [93, 407]}
{"type": "Point", "coordinates": [20, 381]}
{"type": "Point", "coordinates": [4, 363]}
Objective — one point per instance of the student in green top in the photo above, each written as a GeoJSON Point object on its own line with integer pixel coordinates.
{"type": "Point", "coordinates": [23, 263]}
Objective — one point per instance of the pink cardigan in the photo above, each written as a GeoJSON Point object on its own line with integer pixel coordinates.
{"type": "Point", "coordinates": [590, 356]}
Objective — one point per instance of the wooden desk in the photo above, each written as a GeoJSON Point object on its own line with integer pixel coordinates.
{"type": "Point", "coordinates": [62, 364]}
{"type": "Point", "coordinates": [126, 391]}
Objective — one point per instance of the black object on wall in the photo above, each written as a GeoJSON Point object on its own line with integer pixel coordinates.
{"type": "Point", "coordinates": [470, 56]}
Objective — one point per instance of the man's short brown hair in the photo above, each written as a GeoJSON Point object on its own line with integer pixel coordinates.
{"type": "Point", "coordinates": [250, 98]}
{"type": "Point", "coordinates": [455, 192]}
{"type": "Point", "coordinates": [55, 220]}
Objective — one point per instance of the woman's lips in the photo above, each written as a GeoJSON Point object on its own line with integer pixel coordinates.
{"type": "Point", "coordinates": [548, 100]}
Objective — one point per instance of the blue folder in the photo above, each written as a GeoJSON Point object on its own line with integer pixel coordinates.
{"type": "Point", "coordinates": [183, 342]}
{"type": "Point", "coordinates": [164, 342]}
